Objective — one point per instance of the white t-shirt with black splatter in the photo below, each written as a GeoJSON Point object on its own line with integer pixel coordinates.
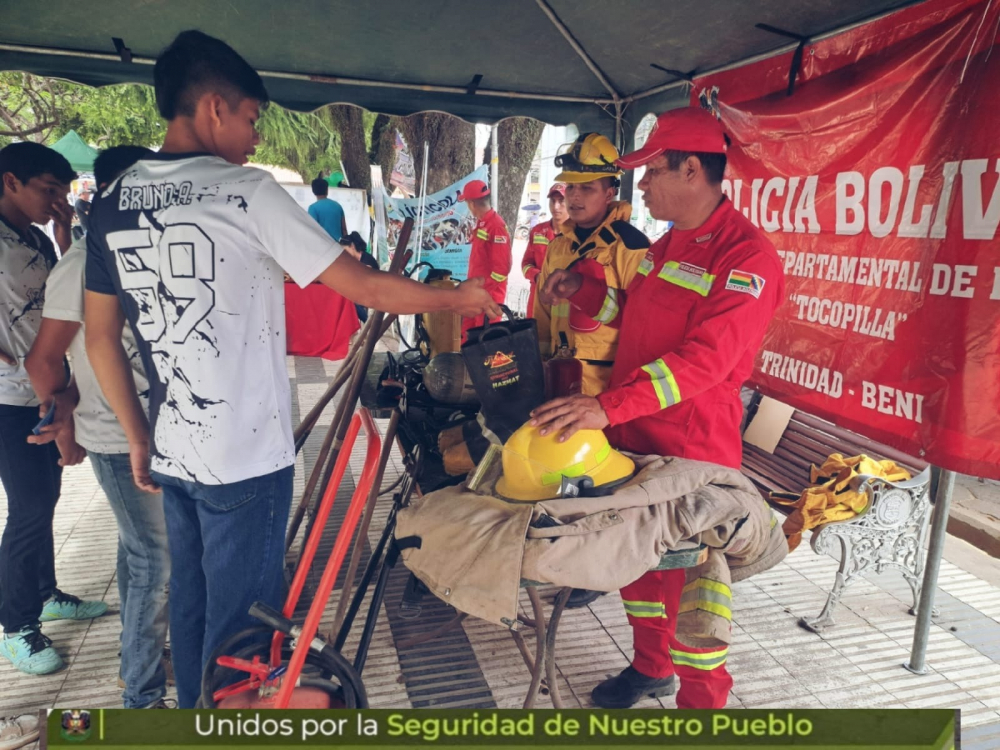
{"type": "Point", "coordinates": [25, 261]}
{"type": "Point", "coordinates": [194, 248]}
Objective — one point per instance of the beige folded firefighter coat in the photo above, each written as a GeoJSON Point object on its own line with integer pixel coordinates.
{"type": "Point", "coordinates": [474, 550]}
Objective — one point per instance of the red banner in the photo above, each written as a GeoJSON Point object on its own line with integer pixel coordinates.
{"type": "Point", "coordinates": [877, 181]}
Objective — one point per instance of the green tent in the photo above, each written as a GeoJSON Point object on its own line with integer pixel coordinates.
{"type": "Point", "coordinates": [601, 65]}
{"type": "Point", "coordinates": [77, 152]}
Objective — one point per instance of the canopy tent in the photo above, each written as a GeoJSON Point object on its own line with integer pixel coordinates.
{"type": "Point", "coordinates": [79, 155]}
{"type": "Point", "coordinates": [597, 64]}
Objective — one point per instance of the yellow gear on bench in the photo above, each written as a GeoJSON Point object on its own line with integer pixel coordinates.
{"type": "Point", "coordinates": [537, 467]}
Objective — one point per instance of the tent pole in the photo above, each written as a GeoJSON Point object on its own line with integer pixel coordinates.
{"type": "Point", "coordinates": [423, 202]}
{"type": "Point", "coordinates": [943, 488]}
{"type": "Point", "coordinates": [578, 48]}
{"type": "Point", "coordinates": [494, 167]}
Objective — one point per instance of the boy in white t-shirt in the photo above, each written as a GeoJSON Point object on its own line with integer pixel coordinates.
{"type": "Point", "coordinates": [190, 247]}
{"type": "Point", "coordinates": [143, 557]}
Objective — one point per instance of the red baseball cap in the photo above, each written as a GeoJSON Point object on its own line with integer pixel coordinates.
{"type": "Point", "coordinates": [474, 189]}
{"type": "Point", "coordinates": [558, 188]}
{"type": "Point", "coordinates": [690, 129]}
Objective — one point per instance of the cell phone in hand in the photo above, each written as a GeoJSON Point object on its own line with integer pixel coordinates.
{"type": "Point", "coordinates": [46, 420]}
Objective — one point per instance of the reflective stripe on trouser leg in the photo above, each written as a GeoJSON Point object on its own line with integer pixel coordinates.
{"type": "Point", "coordinates": [705, 682]}
{"type": "Point", "coordinates": [651, 635]}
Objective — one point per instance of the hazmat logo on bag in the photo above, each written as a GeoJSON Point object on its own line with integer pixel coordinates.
{"type": "Point", "coordinates": [75, 725]}
{"type": "Point", "coordinates": [503, 369]}
{"type": "Point", "coordinates": [499, 360]}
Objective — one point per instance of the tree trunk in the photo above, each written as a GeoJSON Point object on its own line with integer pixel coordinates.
{"type": "Point", "coordinates": [517, 142]}
{"type": "Point", "coordinates": [382, 151]}
{"type": "Point", "coordinates": [451, 142]}
{"type": "Point", "coordinates": [348, 120]}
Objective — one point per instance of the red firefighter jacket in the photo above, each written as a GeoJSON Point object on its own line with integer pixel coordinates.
{"type": "Point", "coordinates": [534, 257]}
{"type": "Point", "coordinates": [489, 259]}
{"type": "Point", "coordinates": [691, 322]}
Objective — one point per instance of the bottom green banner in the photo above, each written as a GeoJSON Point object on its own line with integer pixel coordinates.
{"type": "Point", "coordinates": [485, 728]}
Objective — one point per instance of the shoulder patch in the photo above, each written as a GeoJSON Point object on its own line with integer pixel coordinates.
{"type": "Point", "coordinates": [748, 283]}
{"type": "Point", "coordinates": [631, 237]}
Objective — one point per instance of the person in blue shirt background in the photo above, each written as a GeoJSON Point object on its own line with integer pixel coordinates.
{"type": "Point", "coordinates": [328, 213]}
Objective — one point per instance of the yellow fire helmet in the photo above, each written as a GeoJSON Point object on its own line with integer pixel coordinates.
{"type": "Point", "coordinates": [541, 468]}
{"type": "Point", "coordinates": [590, 157]}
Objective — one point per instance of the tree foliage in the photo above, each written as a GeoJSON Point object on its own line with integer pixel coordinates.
{"type": "Point", "coordinates": [30, 107]}
{"type": "Point", "coordinates": [43, 110]}
{"type": "Point", "coordinates": [305, 142]}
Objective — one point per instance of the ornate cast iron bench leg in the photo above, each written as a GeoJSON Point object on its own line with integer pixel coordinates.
{"type": "Point", "coordinates": [889, 533]}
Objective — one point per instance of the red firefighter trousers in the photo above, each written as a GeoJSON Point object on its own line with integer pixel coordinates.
{"type": "Point", "coordinates": [652, 604]}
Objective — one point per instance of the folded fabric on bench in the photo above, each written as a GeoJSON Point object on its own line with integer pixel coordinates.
{"type": "Point", "coordinates": [830, 496]}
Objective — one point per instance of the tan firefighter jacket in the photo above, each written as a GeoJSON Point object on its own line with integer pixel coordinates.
{"type": "Point", "coordinates": [619, 248]}
{"type": "Point", "coordinates": [473, 551]}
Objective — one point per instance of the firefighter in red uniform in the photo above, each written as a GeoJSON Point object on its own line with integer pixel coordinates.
{"type": "Point", "coordinates": [692, 321]}
{"type": "Point", "coordinates": [490, 256]}
{"type": "Point", "coordinates": [538, 240]}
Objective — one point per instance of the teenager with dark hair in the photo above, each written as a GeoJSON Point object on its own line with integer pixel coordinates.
{"type": "Point", "coordinates": [189, 246]}
{"type": "Point", "coordinates": [34, 181]}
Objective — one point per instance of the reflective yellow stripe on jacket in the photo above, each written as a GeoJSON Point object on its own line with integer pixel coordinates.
{"type": "Point", "coordinates": [609, 310]}
{"type": "Point", "coordinates": [672, 273]}
{"type": "Point", "coordinates": [664, 383]}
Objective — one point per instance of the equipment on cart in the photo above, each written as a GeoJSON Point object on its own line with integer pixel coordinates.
{"type": "Point", "coordinates": [447, 380]}
{"type": "Point", "coordinates": [274, 672]}
{"type": "Point", "coordinates": [439, 332]}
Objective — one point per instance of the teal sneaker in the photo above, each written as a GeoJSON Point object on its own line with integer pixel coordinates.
{"type": "Point", "coordinates": [63, 606]}
{"type": "Point", "coordinates": [31, 651]}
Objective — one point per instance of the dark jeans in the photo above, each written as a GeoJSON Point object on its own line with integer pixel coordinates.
{"type": "Point", "coordinates": [227, 550]}
{"type": "Point", "coordinates": [31, 478]}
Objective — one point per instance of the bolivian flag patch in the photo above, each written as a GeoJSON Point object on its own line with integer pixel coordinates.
{"type": "Point", "coordinates": [741, 281]}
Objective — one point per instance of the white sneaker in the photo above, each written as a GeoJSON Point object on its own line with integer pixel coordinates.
{"type": "Point", "coordinates": [18, 731]}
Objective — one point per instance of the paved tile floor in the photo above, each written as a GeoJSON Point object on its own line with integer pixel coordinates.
{"type": "Point", "coordinates": [775, 664]}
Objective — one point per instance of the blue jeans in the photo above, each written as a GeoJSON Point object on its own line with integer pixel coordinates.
{"type": "Point", "coordinates": [143, 572]}
{"type": "Point", "coordinates": [227, 546]}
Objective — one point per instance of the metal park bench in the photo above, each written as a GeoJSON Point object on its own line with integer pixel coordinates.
{"type": "Point", "coordinates": [889, 533]}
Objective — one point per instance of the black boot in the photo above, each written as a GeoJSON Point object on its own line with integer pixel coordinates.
{"type": "Point", "coordinates": [582, 597]}
{"type": "Point", "coordinates": [629, 687]}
